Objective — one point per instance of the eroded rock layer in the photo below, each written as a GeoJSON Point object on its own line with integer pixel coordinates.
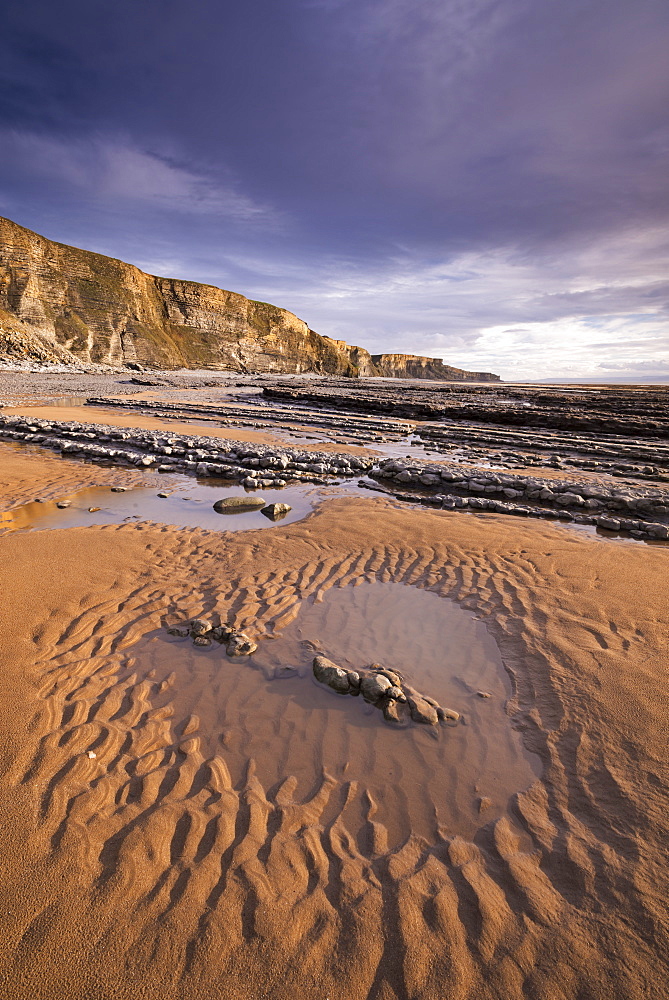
{"type": "Point", "coordinates": [101, 310]}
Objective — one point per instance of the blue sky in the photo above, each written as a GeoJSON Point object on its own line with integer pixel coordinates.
{"type": "Point", "coordinates": [481, 180]}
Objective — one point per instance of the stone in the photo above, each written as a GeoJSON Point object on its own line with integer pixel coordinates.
{"type": "Point", "coordinates": [199, 626]}
{"type": "Point", "coordinates": [394, 676]}
{"type": "Point", "coordinates": [119, 489]}
{"type": "Point", "coordinates": [237, 505]}
{"type": "Point", "coordinates": [373, 687]}
{"type": "Point", "coordinates": [221, 633]}
{"type": "Point", "coordinates": [392, 712]}
{"type": "Point", "coordinates": [276, 511]}
{"type": "Point", "coordinates": [240, 644]}
{"type": "Point", "coordinates": [447, 715]}
{"type": "Point", "coordinates": [202, 640]}
{"type": "Point", "coordinates": [484, 694]}
{"type": "Point", "coordinates": [91, 755]}
{"type": "Point", "coordinates": [396, 694]}
{"type": "Point", "coordinates": [93, 510]}
{"type": "Point", "coordinates": [62, 504]}
{"type": "Point", "coordinates": [422, 711]}
{"type": "Point", "coordinates": [181, 633]}
{"type": "Point", "coordinates": [657, 530]}
{"type": "Point", "coordinates": [609, 523]}
{"type": "Point", "coordinates": [328, 673]}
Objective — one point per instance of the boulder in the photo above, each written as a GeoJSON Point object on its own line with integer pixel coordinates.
{"type": "Point", "coordinates": [237, 505]}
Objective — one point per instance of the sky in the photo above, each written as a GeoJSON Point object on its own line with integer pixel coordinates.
{"type": "Point", "coordinates": [485, 181]}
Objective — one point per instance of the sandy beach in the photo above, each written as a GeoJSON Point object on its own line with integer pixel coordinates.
{"type": "Point", "coordinates": [242, 832]}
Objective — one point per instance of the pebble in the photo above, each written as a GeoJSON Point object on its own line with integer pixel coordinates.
{"type": "Point", "coordinates": [276, 511]}
{"type": "Point", "coordinates": [91, 755]}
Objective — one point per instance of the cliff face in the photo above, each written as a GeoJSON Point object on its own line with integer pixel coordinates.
{"type": "Point", "coordinates": [414, 366]}
{"type": "Point", "coordinates": [93, 308]}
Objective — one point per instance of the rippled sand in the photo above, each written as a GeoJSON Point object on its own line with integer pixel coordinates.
{"type": "Point", "coordinates": [235, 835]}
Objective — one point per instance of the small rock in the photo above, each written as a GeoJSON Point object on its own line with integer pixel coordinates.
{"type": "Point", "coordinates": [396, 694]}
{"type": "Point", "coordinates": [222, 633]}
{"type": "Point", "coordinates": [92, 510]}
{"type": "Point", "coordinates": [181, 633]}
{"type": "Point", "coordinates": [484, 694]}
{"type": "Point", "coordinates": [237, 505]}
{"type": "Point", "coordinates": [392, 712]}
{"type": "Point", "coordinates": [374, 686]}
{"type": "Point", "coordinates": [199, 626]}
{"type": "Point", "coordinates": [484, 803]}
{"type": "Point", "coordinates": [275, 511]}
{"type": "Point", "coordinates": [394, 676]}
{"type": "Point", "coordinates": [202, 640]}
{"type": "Point", "coordinates": [62, 504]}
{"type": "Point", "coordinates": [327, 672]}
{"type": "Point", "coordinates": [239, 644]}
{"type": "Point", "coordinates": [422, 711]}
{"type": "Point", "coordinates": [91, 755]}
{"type": "Point", "coordinates": [447, 715]}
{"type": "Point", "coordinates": [163, 496]}
{"type": "Point", "coordinates": [119, 489]}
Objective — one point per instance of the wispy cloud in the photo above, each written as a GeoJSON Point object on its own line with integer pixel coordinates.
{"type": "Point", "coordinates": [116, 169]}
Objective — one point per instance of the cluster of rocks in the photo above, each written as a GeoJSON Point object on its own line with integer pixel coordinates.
{"type": "Point", "coordinates": [637, 510]}
{"type": "Point", "coordinates": [254, 466]}
{"type": "Point", "coordinates": [384, 688]}
{"type": "Point", "coordinates": [204, 633]}
{"type": "Point", "coordinates": [633, 510]}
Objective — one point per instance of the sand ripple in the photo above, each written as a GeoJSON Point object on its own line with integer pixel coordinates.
{"type": "Point", "coordinates": [167, 871]}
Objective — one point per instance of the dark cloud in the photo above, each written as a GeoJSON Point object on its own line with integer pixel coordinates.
{"type": "Point", "coordinates": [468, 164]}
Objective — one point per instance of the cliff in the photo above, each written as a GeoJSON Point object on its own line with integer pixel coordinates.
{"type": "Point", "coordinates": [77, 305]}
{"type": "Point", "coordinates": [414, 366]}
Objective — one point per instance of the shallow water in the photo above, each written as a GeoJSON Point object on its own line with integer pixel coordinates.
{"type": "Point", "coordinates": [414, 779]}
{"type": "Point", "coordinates": [188, 505]}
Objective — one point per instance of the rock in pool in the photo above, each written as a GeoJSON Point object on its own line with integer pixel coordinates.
{"type": "Point", "coordinates": [237, 505]}
{"type": "Point", "coordinates": [422, 711]}
{"type": "Point", "coordinates": [335, 677]}
{"type": "Point", "coordinates": [373, 687]}
{"type": "Point", "coordinates": [275, 511]}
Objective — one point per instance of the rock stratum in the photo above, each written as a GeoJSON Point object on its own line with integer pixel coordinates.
{"type": "Point", "coordinates": [60, 304]}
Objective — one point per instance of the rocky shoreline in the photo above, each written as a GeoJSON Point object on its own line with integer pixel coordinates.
{"type": "Point", "coordinates": [643, 513]}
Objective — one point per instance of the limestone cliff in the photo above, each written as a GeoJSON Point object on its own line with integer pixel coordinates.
{"type": "Point", "coordinates": [414, 366]}
{"type": "Point", "coordinates": [92, 308]}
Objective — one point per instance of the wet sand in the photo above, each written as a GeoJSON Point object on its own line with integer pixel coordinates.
{"type": "Point", "coordinates": [235, 835]}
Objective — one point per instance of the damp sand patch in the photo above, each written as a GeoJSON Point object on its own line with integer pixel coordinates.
{"type": "Point", "coordinates": [267, 711]}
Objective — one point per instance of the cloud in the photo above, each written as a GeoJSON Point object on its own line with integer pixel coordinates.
{"type": "Point", "coordinates": [115, 169]}
{"type": "Point", "coordinates": [550, 315]}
